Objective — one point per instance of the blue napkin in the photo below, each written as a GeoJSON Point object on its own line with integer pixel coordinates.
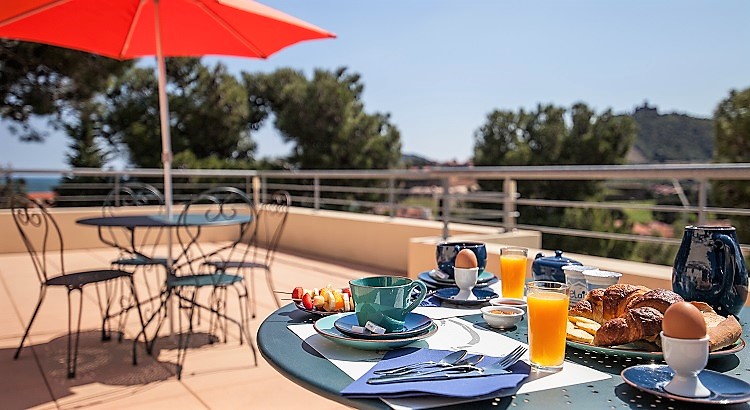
{"type": "Point", "coordinates": [473, 387]}
{"type": "Point", "coordinates": [431, 301]}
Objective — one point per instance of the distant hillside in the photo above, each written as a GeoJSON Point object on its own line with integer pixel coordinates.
{"type": "Point", "coordinates": [671, 137]}
{"type": "Point", "coordinates": [661, 138]}
{"type": "Point", "coordinates": [413, 160]}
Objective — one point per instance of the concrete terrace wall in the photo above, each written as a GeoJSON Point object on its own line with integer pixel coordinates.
{"type": "Point", "coordinates": [373, 240]}
{"type": "Point", "coordinates": [395, 245]}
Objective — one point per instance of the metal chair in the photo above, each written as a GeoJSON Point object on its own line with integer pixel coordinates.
{"type": "Point", "coordinates": [136, 253]}
{"type": "Point", "coordinates": [41, 236]}
{"type": "Point", "coordinates": [272, 219]}
{"type": "Point", "coordinates": [191, 272]}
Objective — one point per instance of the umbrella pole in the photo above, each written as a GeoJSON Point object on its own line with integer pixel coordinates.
{"type": "Point", "coordinates": [166, 144]}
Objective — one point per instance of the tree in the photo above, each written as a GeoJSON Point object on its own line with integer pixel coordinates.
{"type": "Point", "coordinates": [86, 152]}
{"type": "Point", "coordinates": [548, 136]}
{"type": "Point", "coordinates": [47, 81]}
{"type": "Point", "coordinates": [326, 120]}
{"type": "Point", "coordinates": [732, 144]}
{"type": "Point", "coordinates": [209, 115]}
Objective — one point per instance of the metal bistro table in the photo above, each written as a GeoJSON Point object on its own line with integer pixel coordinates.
{"type": "Point", "coordinates": [132, 222]}
{"type": "Point", "coordinates": [299, 362]}
{"type": "Point", "coordinates": [146, 221]}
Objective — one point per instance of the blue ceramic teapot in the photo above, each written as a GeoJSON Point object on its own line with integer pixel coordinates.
{"type": "Point", "coordinates": [550, 267]}
{"type": "Point", "coordinates": [709, 268]}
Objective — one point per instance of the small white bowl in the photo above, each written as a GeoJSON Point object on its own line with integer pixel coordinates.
{"type": "Point", "coordinates": [510, 302]}
{"type": "Point", "coordinates": [507, 319]}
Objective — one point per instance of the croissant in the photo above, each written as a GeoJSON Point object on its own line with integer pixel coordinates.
{"type": "Point", "coordinates": [640, 323]}
{"type": "Point", "coordinates": [590, 306]}
{"type": "Point", "coordinates": [601, 305]}
{"type": "Point", "coordinates": [659, 299]}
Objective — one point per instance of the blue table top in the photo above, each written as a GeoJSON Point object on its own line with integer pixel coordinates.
{"type": "Point", "coordinates": [146, 221]}
{"type": "Point", "coordinates": [300, 363]}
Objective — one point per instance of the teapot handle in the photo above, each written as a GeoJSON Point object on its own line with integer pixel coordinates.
{"type": "Point", "coordinates": [732, 255]}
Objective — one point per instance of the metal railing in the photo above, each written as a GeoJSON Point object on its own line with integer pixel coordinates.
{"type": "Point", "coordinates": [443, 193]}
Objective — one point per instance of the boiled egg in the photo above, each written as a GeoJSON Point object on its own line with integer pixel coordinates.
{"type": "Point", "coordinates": [466, 259]}
{"type": "Point", "coordinates": [682, 320]}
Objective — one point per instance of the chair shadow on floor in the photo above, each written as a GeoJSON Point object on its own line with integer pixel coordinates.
{"type": "Point", "coordinates": [108, 363]}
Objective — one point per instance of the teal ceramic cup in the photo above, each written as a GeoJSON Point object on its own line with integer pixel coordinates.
{"type": "Point", "coordinates": [385, 300]}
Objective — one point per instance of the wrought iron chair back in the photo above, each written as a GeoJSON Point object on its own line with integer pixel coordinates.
{"type": "Point", "coordinates": [275, 215]}
{"type": "Point", "coordinates": [131, 194]}
{"type": "Point", "coordinates": [42, 237]}
{"type": "Point", "coordinates": [44, 241]}
{"type": "Point", "coordinates": [216, 204]}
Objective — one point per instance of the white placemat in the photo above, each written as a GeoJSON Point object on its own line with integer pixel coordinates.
{"type": "Point", "coordinates": [452, 334]}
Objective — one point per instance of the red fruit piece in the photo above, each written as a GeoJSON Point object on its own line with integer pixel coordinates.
{"type": "Point", "coordinates": [307, 301]}
{"type": "Point", "coordinates": [347, 290]}
{"type": "Point", "coordinates": [297, 293]}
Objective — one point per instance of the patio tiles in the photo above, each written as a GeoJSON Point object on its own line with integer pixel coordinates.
{"type": "Point", "coordinates": [216, 376]}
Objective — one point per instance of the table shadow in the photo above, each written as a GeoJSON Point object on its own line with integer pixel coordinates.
{"type": "Point", "coordinates": [99, 362]}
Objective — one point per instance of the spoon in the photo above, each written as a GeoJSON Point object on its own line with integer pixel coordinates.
{"type": "Point", "coordinates": [470, 361]}
{"type": "Point", "coordinates": [449, 360]}
{"type": "Point", "coordinates": [463, 364]}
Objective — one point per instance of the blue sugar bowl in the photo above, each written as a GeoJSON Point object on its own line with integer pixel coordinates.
{"type": "Point", "coordinates": [550, 267]}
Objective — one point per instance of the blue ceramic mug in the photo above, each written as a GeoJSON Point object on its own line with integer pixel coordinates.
{"type": "Point", "coordinates": [445, 255]}
{"type": "Point", "coordinates": [385, 300]}
{"type": "Point", "coordinates": [709, 267]}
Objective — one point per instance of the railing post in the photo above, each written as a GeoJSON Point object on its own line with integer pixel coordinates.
{"type": "Point", "coordinates": [392, 196]}
{"type": "Point", "coordinates": [445, 208]}
{"type": "Point", "coordinates": [264, 189]}
{"type": "Point", "coordinates": [256, 186]}
{"type": "Point", "coordinates": [316, 193]}
{"type": "Point", "coordinates": [702, 201]}
{"type": "Point", "coordinates": [117, 190]}
{"type": "Point", "coordinates": [509, 204]}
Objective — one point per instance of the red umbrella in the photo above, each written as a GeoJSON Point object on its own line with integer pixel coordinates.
{"type": "Point", "coordinates": [125, 29]}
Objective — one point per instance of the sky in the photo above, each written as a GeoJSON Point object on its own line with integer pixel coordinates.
{"type": "Point", "coordinates": [438, 67]}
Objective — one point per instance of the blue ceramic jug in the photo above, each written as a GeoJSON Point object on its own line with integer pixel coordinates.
{"type": "Point", "coordinates": [709, 268]}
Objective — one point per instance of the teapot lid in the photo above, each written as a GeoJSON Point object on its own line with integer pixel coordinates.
{"type": "Point", "coordinates": [557, 261]}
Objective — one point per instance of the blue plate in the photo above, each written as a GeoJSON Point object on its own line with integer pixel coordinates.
{"type": "Point", "coordinates": [325, 328]}
{"type": "Point", "coordinates": [483, 295]}
{"type": "Point", "coordinates": [652, 378]}
{"type": "Point", "coordinates": [414, 324]}
{"type": "Point", "coordinates": [431, 282]}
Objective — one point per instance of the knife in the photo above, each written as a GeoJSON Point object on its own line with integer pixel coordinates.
{"type": "Point", "coordinates": [447, 374]}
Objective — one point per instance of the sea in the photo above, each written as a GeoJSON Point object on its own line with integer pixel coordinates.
{"type": "Point", "coordinates": [39, 184]}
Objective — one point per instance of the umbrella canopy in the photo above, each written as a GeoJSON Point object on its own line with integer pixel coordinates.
{"type": "Point", "coordinates": [125, 29]}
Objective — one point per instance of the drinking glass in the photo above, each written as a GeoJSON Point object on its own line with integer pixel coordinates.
{"type": "Point", "coordinates": [548, 317]}
{"type": "Point", "coordinates": [513, 271]}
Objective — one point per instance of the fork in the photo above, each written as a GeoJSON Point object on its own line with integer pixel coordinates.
{"type": "Point", "coordinates": [510, 359]}
{"type": "Point", "coordinates": [456, 371]}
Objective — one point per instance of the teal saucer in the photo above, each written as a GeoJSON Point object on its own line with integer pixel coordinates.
{"type": "Point", "coordinates": [326, 328]}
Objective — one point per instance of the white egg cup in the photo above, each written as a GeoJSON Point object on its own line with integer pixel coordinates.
{"type": "Point", "coordinates": [466, 279]}
{"type": "Point", "coordinates": [687, 357]}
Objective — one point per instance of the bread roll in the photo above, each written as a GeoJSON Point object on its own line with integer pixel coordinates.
{"type": "Point", "coordinates": [722, 331]}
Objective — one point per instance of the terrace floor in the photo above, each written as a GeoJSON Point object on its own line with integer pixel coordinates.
{"type": "Point", "coordinates": [216, 376]}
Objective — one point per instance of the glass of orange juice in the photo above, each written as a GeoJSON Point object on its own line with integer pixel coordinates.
{"type": "Point", "coordinates": [513, 271]}
{"type": "Point", "coordinates": [548, 317]}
